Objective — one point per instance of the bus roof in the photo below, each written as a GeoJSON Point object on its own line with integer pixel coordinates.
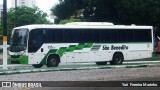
{"type": "Point", "coordinates": [91, 23]}
{"type": "Point", "coordinates": [69, 26]}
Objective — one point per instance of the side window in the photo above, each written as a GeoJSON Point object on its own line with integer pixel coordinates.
{"type": "Point", "coordinates": [125, 35]}
{"type": "Point", "coordinates": [108, 35]}
{"type": "Point", "coordinates": [149, 35]}
{"type": "Point", "coordinates": [69, 36]}
{"type": "Point", "coordinates": [95, 35]}
{"type": "Point", "coordinates": [129, 35]}
{"type": "Point", "coordinates": [142, 35]}
{"type": "Point", "coordinates": [78, 36]}
{"type": "Point", "coordinates": [121, 36]}
{"type": "Point", "coordinates": [59, 36]}
{"type": "Point", "coordinates": [87, 37]}
{"type": "Point", "coordinates": [91, 35]}
{"type": "Point", "coordinates": [73, 36]}
{"type": "Point", "coordinates": [54, 36]}
{"type": "Point", "coordinates": [49, 36]}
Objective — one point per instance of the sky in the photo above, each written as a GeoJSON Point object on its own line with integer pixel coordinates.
{"type": "Point", "coordinates": [44, 5]}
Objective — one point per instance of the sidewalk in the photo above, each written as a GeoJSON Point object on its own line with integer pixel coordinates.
{"type": "Point", "coordinates": [1, 56]}
{"type": "Point", "coordinates": [17, 69]}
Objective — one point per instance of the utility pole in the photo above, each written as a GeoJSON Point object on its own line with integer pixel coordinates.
{"type": "Point", "coordinates": [4, 34]}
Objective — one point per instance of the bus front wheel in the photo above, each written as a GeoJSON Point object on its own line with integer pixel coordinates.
{"type": "Point", "coordinates": [37, 65]}
{"type": "Point", "coordinates": [117, 59]}
{"type": "Point", "coordinates": [52, 61]}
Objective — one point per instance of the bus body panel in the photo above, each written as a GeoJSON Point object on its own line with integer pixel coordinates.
{"type": "Point", "coordinates": [87, 51]}
{"type": "Point", "coordinates": [129, 51]}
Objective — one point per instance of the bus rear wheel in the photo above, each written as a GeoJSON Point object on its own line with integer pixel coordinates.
{"type": "Point", "coordinates": [37, 65]}
{"type": "Point", "coordinates": [52, 61]}
{"type": "Point", "coordinates": [117, 59]}
{"type": "Point", "coordinates": [101, 63]}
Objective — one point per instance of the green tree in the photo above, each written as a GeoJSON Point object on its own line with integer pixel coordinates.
{"type": "Point", "coordinates": [141, 12]}
{"type": "Point", "coordinates": [25, 16]}
{"type": "Point", "coordinates": [66, 8]}
{"type": "Point", "coordinates": [69, 20]}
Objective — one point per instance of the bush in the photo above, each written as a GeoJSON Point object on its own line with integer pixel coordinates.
{"type": "Point", "coordinates": [69, 20]}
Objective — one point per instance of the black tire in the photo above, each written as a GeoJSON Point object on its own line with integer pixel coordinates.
{"type": "Point", "coordinates": [37, 65]}
{"type": "Point", "coordinates": [101, 63]}
{"type": "Point", "coordinates": [117, 59]}
{"type": "Point", "coordinates": [52, 61]}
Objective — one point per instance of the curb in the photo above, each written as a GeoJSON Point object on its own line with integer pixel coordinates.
{"type": "Point", "coordinates": [69, 68]}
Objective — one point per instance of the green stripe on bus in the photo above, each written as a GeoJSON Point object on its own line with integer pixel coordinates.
{"type": "Point", "coordinates": [127, 43]}
{"type": "Point", "coordinates": [52, 51]}
{"type": "Point", "coordinates": [88, 45]}
{"type": "Point", "coordinates": [80, 46]}
{"type": "Point", "coordinates": [62, 50]}
{"type": "Point", "coordinates": [71, 48]}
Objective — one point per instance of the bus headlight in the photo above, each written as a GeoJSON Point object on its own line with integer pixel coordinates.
{"type": "Point", "coordinates": [17, 53]}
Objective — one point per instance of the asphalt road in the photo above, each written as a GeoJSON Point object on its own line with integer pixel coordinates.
{"type": "Point", "coordinates": [111, 74]}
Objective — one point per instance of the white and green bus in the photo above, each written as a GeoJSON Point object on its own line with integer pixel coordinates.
{"type": "Point", "coordinates": [80, 42]}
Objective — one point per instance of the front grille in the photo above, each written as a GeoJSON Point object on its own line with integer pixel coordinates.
{"type": "Point", "coordinates": [15, 62]}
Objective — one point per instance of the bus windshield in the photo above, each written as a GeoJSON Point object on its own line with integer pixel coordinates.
{"type": "Point", "coordinates": [18, 40]}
